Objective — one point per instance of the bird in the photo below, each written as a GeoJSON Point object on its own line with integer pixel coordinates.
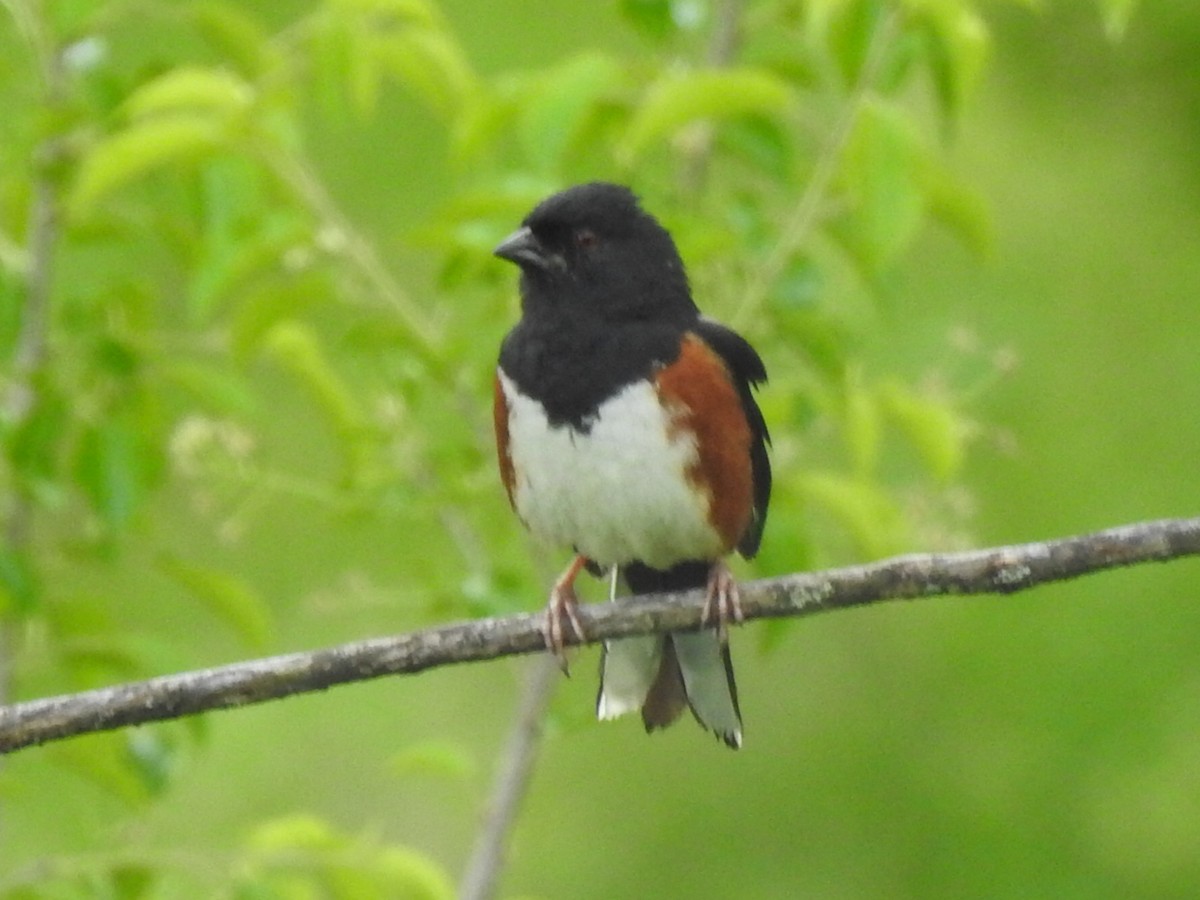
{"type": "Point", "coordinates": [627, 430]}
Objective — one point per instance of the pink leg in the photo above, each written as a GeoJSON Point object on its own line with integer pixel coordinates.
{"type": "Point", "coordinates": [722, 604]}
{"type": "Point", "coordinates": [562, 611]}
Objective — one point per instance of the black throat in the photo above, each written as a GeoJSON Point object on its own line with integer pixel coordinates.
{"type": "Point", "coordinates": [572, 364]}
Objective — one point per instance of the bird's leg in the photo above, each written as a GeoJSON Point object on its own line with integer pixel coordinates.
{"type": "Point", "coordinates": [721, 601]}
{"type": "Point", "coordinates": [562, 610]}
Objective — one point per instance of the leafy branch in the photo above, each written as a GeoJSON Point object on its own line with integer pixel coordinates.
{"type": "Point", "coordinates": [805, 215]}
{"type": "Point", "coordinates": [996, 570]}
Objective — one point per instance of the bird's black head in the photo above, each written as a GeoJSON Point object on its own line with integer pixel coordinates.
{"type": "Point", "coordinates": [592, 250]}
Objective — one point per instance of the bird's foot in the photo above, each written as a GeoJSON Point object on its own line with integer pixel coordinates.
{"type": "Point", "coordinates": [722, 603]}
{"type": "Point", "coordinates": [562, 611]}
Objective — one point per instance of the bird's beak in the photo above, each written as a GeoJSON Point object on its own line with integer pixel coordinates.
{"type": "Point", "coordinates": [523, 248]}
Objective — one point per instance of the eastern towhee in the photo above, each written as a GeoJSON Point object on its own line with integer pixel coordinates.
{"type": "Point", "coordinates": [626, 429]}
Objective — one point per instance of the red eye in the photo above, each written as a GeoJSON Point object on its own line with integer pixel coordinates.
{"type": "Point", "coordinates": [586, 238]}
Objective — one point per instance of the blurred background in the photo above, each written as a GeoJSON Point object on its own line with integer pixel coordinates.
{"type": "Point", "coordinates": [986, 333]}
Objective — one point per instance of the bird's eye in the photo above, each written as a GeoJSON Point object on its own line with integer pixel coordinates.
{"type": "Point", "coordinates": [585, 238]}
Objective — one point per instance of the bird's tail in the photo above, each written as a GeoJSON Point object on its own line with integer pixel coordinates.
{"type": "Point", "coordinates": [662, 674]}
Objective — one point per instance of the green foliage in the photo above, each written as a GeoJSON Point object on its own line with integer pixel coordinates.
{"type": "Point", "coordinates": [289, 858]}
{"type": "Point", "coordinates": [228, 596]}
{"type": "Point", "coordinates": [233, 365]}
{"type": "Point", "coordinates": [16, 579]}
{"type": "Point", "coordinates": [682, 98]}
{"type": "Point", "coordinates": [300, 857]}
{"type": "Point", "coordinates": [1116, 15]}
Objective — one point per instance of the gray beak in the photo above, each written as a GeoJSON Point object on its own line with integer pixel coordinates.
{"type": "Point", "coordinates": [524, 249]}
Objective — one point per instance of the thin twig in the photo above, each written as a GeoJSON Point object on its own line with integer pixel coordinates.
{"type": "Point", "coordinates": [345, 238]}
{"type": "Point", "coordinates": [998, 570]}
{"type": "Point", "coordinates": [482, 875]}
{"type": "Point", "coordinates": [512, 782]}
{"type": "Point", "coordinates": [723, 45]}
{"type": "Point", "coordinates": [30, 349]}
{"type": "Point", "coordinates": [512, 779]}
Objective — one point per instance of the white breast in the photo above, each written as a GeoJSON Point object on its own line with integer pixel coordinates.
{"type": "Point", "coordinates": [616, 494]}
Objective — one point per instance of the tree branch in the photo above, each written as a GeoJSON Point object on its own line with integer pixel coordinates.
{"type": "Point", "coordinates": [999, 570]}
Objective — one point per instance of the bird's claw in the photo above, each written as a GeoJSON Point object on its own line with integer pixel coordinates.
{"type": "Point", "coordinates": [561, 612]}
{"type": "Point", "coordinates": [722, 602]}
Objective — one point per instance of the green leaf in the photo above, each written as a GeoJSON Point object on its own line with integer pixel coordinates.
{"type": "Point", "coordinates": [958, 49]}
{"type": "Point", "coordinates": [958, 207]}
{"type": "Point", "coordinates": [861, 425]}
{"type": "Point", "coordinates": [332, 50]}
{"type": "Point", "coordinates": [933, 428]}
{"type": "Point", "coordinates": [762, 142]}
{"type": "Point", "coordinates": [209, 92]}
{"type": "Point", "coordinates": [345, 882]}
{"type": "Point", "coordinates": [362, 68]}
{"type": "Point", "coordinates": [269, 303]}
{"type": "Point", "coordinates": [113, 470]}
{"type": "Point", "coordinates": [485, 119]}
{"type": "Point", "coordinates": [851, 28]}
{"type": "Point", "coordinates": [1117, 14]}
{"type": "Point", "coordinates": [35, 448]}
{"type": "Point", "coordinates": [132, 881]}
{"type": "Point", "coordinates": [303, 856]}
{"type": "Point", "coordinates": [215, 387]}
{"type": "Point", "coordinates": [230, 598]}
{"type": "Point", "coordinates": [442, 759]}
{"type": "Point", "coordinates": [242, 233]}
{"type": "Point", "coordinates": [430, 63]}
{"type": "Point", "coordinates": [412, 875]}
{"type": "Point", "coordinates": [799, 287]}
{"type": "Point", "coordinates": [150, 757]}
{"type": "Point", "coordinates": [102, 759]}
{"type": "Point", "coordinates": [19, 589]}
{"type": "Point", "coordinates": [389, 13]}
{"type": "Point", "coordinates": [681, 98]}
{"type": "Point", "coordinates": [295, 832]}
{"type": "Point", "coordinates": [879, 171]}
{"type": "Point", "coordinates": [822, 339]}
{"type": "Point", "coordinates": [296, 347]}
{"type": "Point", "coordinates": [651, 17]}
{"type": "Point", "coordinates": [564, 99]}
{"type": "Point", "coordinates": [861, 507]}
{"type": "Point", "coordinates": [142, 148]}
{"type": "Point", "coordinates": [14, 260]}
{"type": "Point", "coordinates": [235, 35]}
{"type": "Point", "coordinates": [73, 615]}
{"type": "Point", "coordinates": [363, 40]}
{"type": "Point", "coordinates": [233, 257]}
{"type": "Point", "coordinates": [96, 659]}
{"type": "Point", "coordinates": [116, 358]}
